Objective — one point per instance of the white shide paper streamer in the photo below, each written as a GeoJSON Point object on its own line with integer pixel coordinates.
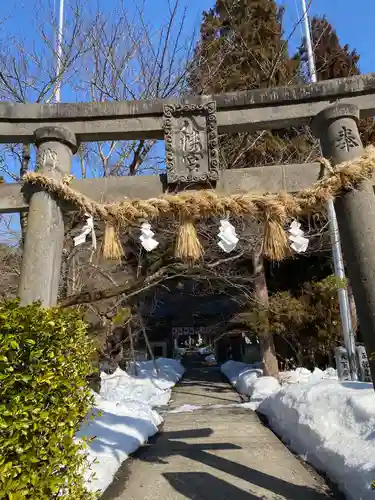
{"type": "Point", "coordinates": [227, 236]}
{"type": "Point", "coordinates": [147, 238]}
{"type": "Point", "coordinates": [87, 229]}
{"type": "Point", "coordinates": [299, 242]}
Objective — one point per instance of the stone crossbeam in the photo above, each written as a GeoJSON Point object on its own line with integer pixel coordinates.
{"type": "Point", "coordinates": [236, 112]}
{"type": "Point", "coordinates": [272, 178]}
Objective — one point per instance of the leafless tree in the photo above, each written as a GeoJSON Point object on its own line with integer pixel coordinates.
{"type": "Point", "coordinates": [105, 57]}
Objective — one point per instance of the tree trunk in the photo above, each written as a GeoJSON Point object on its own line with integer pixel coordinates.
{"type": "Point", "coordinates": [353, 311]}
{"type": "Point", "coordinates": [23, 170]}
{"type": "Point", "coordinates": [330, 359]}
{"type": "Point", "coordinates": [299, 357]}
{"type": "Point", "coordinates": [267, 347]}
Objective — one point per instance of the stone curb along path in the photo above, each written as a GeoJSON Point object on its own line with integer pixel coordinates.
{"type": "Point", "coordinates": [217, 451]}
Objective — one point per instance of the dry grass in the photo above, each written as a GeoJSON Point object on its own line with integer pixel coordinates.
{"type": "Point", "coordinates": [111, 248]}
{"type": "Point", "coordinates": [276, 245]}
{"type": "Point", "coordinates": [188, 247]}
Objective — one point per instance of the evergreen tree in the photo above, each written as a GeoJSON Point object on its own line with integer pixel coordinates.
{"type": "Point", "coordinates": [242, 48]}
{"type": "Point", "coordinates": [331, 59]}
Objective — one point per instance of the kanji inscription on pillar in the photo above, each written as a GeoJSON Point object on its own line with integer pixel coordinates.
{"type": "Point", "coordinates": [46, 159]}
{"type": "Point", "coordinates": [191, 142]}
{"type": "Point", "coordinates": [346, 139]}
{"type": "Point", "coordinates": [363, 364]}
{"type": "Point", "coordinates": [342, 363]}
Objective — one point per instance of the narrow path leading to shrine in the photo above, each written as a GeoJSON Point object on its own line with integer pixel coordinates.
{"type": "Point", "coordinates": [212, 448]}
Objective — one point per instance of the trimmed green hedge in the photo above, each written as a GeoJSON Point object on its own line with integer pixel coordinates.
{"type": "Point", "coordinates": [44, 397]}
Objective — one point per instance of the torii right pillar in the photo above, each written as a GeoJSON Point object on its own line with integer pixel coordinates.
{"type": "Point", "coordinates": [337, 129]}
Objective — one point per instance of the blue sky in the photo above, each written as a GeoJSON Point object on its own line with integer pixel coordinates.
{"type": "Point", "coordinates": [353, 21]}
{"type": "Point", "coordinates": [354, 25]}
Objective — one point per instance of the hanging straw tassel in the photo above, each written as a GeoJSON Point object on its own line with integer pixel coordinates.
{"type": "Point", "coordinates": [111, 246]}
{"type": "Point", "coordinates": [188, 247]}
{"type": "Point", "coordinates": [275, 242]}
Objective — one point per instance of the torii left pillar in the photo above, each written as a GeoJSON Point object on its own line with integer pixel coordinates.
{"type": "Point", "coordinates": [42, 253]}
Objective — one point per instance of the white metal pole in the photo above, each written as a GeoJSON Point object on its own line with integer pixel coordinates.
{"type": "Point", "coordinates": [59, 52]}
{"type": "Point", "coordinates": [338, 262]}
{"type": "Point", "coordinates": [310, 53]}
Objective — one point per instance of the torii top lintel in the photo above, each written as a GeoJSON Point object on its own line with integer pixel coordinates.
{"type": "Point", "coordinates": [236, 111]}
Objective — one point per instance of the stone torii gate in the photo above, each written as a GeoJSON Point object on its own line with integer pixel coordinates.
{"type": "Point", "coordinates": [190, 129]}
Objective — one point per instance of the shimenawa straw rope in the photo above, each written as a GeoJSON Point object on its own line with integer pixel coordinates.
{"type": "Point", "coordinates": [275, 210]}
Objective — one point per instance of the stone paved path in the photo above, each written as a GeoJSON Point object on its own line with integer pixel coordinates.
{"type": "Point", "coordinates": [219, 453]}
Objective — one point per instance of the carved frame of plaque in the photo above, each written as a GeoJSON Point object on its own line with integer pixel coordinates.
{"type": "Point", "coordinates": [201, 162]}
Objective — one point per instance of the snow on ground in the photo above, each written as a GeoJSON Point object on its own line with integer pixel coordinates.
{"type": "Point", "coordinates": [205, 350]}
{"type": "Point", "coordinates": [210, 359]}
{"type": "Point", "coordinates": [128, 419]}
{"type": "Point", "coordinates": [180, 352]}
{"type": "Point", "coordinates": [331, 424]}
{"type": "Point", "coordinates": [185, 409]}
{"type": "Point", "coordinates": [191, 408]}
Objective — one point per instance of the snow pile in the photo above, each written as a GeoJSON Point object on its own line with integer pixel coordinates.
{"type": "Point", "coordinates": [329, 423]}
{"type": "Point", "coordinates": [205, 350]}
{"type": "Point", "coordinates": [180, 352]}
{"type": "Point", "coordinates": [248, 379]}
{"type": "Point", "coordinates": [303, 375]}
{"type": "Point", "coordinates": [241, 376]}
{"type": "Point", "coordinates": [118, 429]}
{"type": "Point", "coordinates": [210, 359]}
{"type": "Point", "coordinates": [262, 388]}
{"type": "Point", "coordinates": [126, 403]}
{"type": "Point", "coordinates": [147, 386]}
